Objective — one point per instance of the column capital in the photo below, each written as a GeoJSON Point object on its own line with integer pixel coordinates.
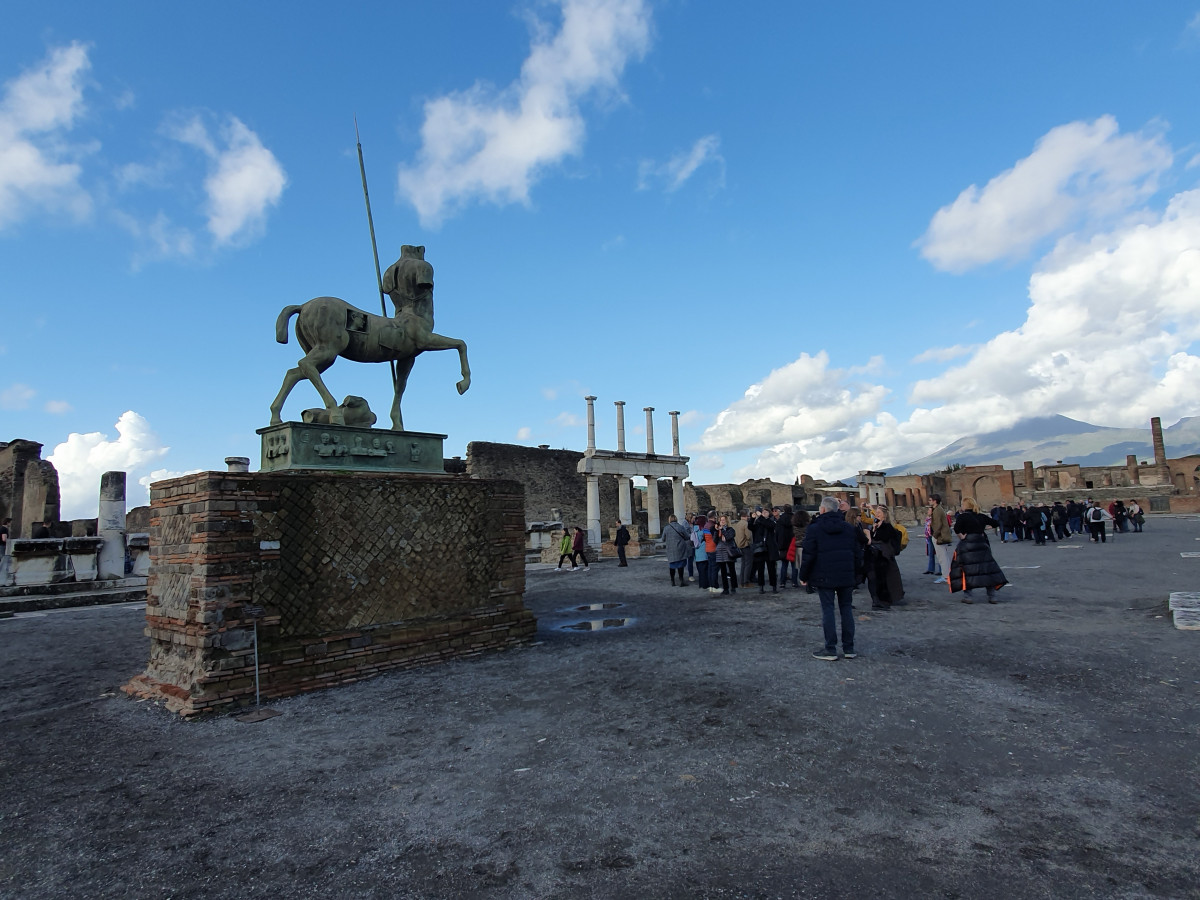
{"type": "Point", "coordinates": [618, 403]}
{"type": "Point", "coordinates": [647, 409]}
{"type": "Point", "coordinates": [673, 412]}
{"type": "Point", "coordinates": [590, 398]}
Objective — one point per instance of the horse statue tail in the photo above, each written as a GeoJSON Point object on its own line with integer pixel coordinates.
{"type": "Point", "coordinates": [281, 324]}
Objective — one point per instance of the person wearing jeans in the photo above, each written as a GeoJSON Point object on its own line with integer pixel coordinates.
{"type": "Point", "coordinates": [939, 528]}
{"type": "Point", "coordinates": [830, 559]}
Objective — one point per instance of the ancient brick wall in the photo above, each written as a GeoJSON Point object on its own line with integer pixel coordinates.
{"type": "Point", "coordinates": [549, 479]}
{"type": "Point", "coordinates": [354, 573]}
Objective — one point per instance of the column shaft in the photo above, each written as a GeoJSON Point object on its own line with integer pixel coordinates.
{"type": "Point", "coordinates": [624, 507]}
{"type": "Point", "coordinates": [591, 422]}
{"type": "Point", "coordinates": [653, 525]}
{"type": "Point", "coordinates": [593, 510]}
{"type": "Point", "coordinates": [110, 525]}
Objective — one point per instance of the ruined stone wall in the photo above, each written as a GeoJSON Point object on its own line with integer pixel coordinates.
{"type": "Point", "coordinates": [549, 479]}
{"type": "Point", "coordinates": [350, 574]}
{"type": "Point", "coordinates": [28, 487]}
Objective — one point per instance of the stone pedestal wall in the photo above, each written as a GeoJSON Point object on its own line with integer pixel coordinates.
{"type": "Point", "coordinates": [347, 575]}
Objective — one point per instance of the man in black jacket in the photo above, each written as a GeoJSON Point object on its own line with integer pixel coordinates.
{"type": "Point", "coordinates": [784, 532]}
{"type": "Point", "coordinates": [832, 556]}
{"type": "Point", "coordinates": [621, 540]}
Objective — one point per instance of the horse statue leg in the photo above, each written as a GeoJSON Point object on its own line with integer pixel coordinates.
{"type": "Point", "coordinates": [310, 367]}
{"type": "Point", "coordinates": [403, 370]}
{"type": "Point", "coordinates": [433, 341]}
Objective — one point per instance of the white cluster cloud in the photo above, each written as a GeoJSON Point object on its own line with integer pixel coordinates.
{"type": "Point", "coordinates": [245, 178]}
{"type": "Point", "coordinates": [82, 458]}
{"type": "Point", "coordinates": [41, 163]}
{"type": "Point", "coordinates": [803, 398]}
{"type": "Point", "coordinates": [675, 172]}
{"type": "Point", "coordinates": [1108, 338]}
{"type": "Point", "coordinates": [38, 166]}
{"type": "Point", "coordinates": [1076, 170]}
{"type": "Point", "coordinates": [489, 144]}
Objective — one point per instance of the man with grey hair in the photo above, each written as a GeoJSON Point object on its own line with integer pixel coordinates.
{"type": "Point", "coordinates": [831, 559]}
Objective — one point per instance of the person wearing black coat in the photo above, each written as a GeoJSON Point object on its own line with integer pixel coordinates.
{"type": "Point", "coordinates": [621, 540]}
{"type": "Point", "coordinates": [973, 565]}
{"type": "Point", "coordinates": [784, 532]}
{"type": "Point", "coordinates": [831, 558]}
{"type": "Point", "coordinates": [764, 548]}
{"type": "Point", "coordinates": [883, 574]}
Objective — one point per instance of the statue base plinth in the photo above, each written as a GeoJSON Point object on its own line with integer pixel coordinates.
{"type": "Point", "coordinates": [299, 445]}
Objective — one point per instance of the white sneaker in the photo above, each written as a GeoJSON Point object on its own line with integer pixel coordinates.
{"type": "Point", "coordinates": [574, 568]}
{"type": "Point", "coordinates": [559, 569]}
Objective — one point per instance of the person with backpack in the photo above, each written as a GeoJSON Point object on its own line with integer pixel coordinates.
{"type": "Point", "coordinates": [1096, 517]}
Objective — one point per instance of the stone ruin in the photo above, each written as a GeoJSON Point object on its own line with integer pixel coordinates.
{"type": "Point", "coordinates": [78, 556]}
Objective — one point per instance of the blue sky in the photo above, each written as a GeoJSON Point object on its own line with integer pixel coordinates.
{"type": "Point", "coordinates": [836, 236]}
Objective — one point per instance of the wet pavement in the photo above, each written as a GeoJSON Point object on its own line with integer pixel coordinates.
{"type": "Point", "coordinates": [1044, 746]}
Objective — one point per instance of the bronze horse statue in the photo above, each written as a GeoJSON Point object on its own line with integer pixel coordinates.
{"type": "Point", "coordinates": [328, 327]}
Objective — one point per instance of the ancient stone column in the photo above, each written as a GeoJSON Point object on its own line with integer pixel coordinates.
{"type": "Point", "coordinates": [1131, 469]}
{"type": "Point", "coordinates": [237, 463]}
{"type": "Point", "coordinates": [677, 493]}
{"type": "Point", "coordinates": [624, 507]}
{"type": "Point", "coordinates": [591, 445]}
{"type": "Point", "coordinates": [674, 414]}
{"type": "Point", "coordinates": [593, 506]}
{"type": "Point", "coordinates": [910, 498]}
{"type": "Point", "coordinates": [649, 411]}
{"type": "Point", "coordinates": [889, 497]}
{"type": "Point", "coordinates": [1029, 475]}
{"type": "Point", "coordinates": [620, 405]}
{"type": "Point", "coordinates": [653, 524]}
{"type": "Point", "coordinates": [1160, 451]}
{"type": "Point", "coordinates": [110, 525]}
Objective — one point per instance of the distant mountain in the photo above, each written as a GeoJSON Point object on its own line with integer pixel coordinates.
{"type": "Point", "coordinates": [1047, 439]}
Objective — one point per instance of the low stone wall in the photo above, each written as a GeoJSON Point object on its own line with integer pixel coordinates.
{"type": "Point", "coordinates": [347, 575]}
{"type": "Point", "coordinates": [52, 560]}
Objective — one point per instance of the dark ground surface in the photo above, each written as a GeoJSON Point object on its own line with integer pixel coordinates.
{"type": "Point", "coordinates": [1043, 747]}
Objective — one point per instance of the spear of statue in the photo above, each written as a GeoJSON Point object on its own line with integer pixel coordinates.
{"type": "Point", "coordinates": [374, 247]}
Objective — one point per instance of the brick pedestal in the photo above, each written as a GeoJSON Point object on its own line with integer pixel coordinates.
{"type": "Point", "coordinates": [355, 573]}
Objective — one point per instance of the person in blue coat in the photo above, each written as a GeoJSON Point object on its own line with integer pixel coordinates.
{"type": "Point", "coordinates": [831, 560]}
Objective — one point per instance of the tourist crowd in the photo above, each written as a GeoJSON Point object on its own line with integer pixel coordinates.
{"type": "Point", "coordinates": [845, 547]}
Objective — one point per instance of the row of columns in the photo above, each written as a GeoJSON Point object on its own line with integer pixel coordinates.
{"type": "Point", "coordinates": [624, 502]}
{"type": "Point", "coordinates": [620, 405]}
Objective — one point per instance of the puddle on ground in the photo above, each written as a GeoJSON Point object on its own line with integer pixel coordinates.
{"type": "Point", "coordinates": [596, 624]}
{"type": "Point", "coordinates": [596, 607]}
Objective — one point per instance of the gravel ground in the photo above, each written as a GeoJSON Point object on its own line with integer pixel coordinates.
{"type": "Point", "coordinates": [1042, 747]}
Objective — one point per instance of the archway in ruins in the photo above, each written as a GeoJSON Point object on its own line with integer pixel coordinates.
{"type": "Point", "coordinates": [987, 491]}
